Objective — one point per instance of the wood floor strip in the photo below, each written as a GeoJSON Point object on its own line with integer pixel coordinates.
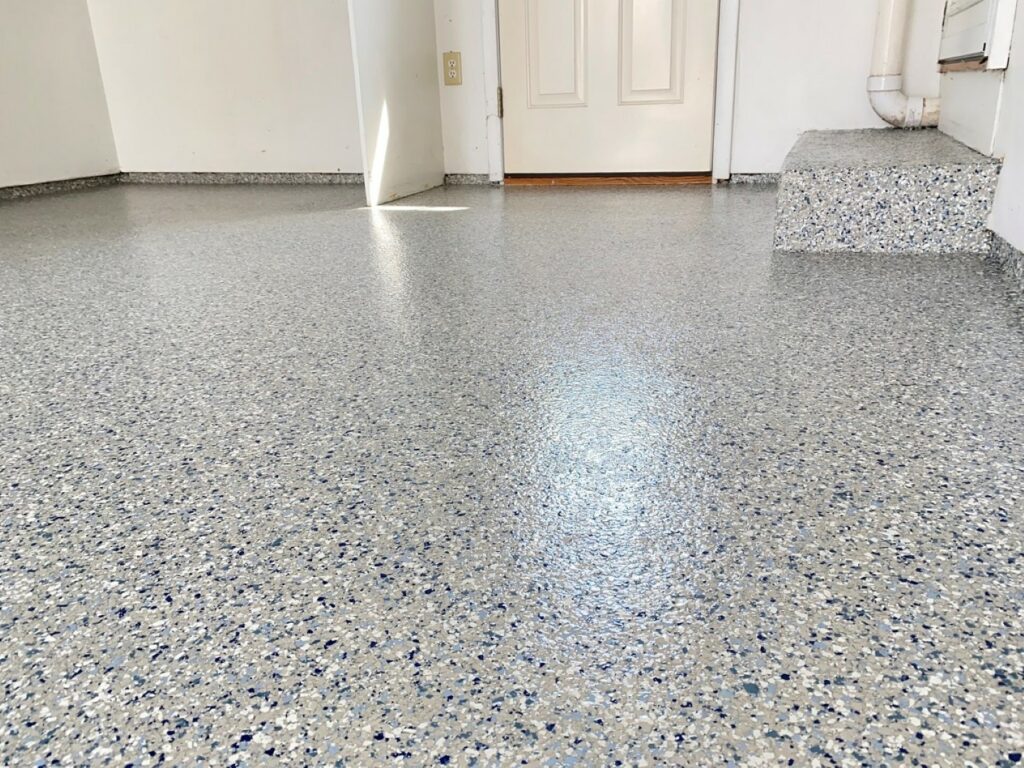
{"type": "Point", "coordinates": [607, 181]}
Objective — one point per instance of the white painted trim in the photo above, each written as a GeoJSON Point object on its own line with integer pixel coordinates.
{"type": "Point", "coordinates": [492, 81]}
{"type": "Point", "coordinates": [1002, 34]}
{"type": "Point", "coordinates": [725, 88]}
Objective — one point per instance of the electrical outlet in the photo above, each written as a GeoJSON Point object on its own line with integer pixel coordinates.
{"type": "Point", "coordinates": [452, 62]}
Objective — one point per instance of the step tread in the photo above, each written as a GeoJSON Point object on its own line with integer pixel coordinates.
{"type": "Point", "coordinates": [880, 148]}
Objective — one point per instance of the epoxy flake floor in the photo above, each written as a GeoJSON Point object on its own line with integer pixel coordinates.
{"type": "Point", "coordinates": [545, 477]}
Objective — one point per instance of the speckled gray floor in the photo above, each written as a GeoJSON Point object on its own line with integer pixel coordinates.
{"type": "Point", "coordinates": [580, 477]}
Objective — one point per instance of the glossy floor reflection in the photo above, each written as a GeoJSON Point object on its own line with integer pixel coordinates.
{"type": "Point", "coordinates": [559, 477]}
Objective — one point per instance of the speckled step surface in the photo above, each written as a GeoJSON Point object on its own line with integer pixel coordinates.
{"type": "Point", "coordinates": [884, 191]}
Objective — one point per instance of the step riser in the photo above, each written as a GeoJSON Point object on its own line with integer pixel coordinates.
{"type": "Point", "coordinates": [927, 210]}
{"type": "Point", "coordinates": [835, 204]}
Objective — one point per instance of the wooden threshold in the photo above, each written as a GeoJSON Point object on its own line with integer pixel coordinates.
{"type": "Point", "coordinates": [601, 180]}
{"type": "Point", "coordinates": [969, 65]}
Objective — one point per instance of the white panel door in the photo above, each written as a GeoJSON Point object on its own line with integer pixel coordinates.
{"type": "Point", "coordinates": [608, 86]}
{"type": "Point", "coordinates": [394, 50]}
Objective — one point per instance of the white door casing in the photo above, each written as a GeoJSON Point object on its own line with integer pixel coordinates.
{"type": "Point", "coordinates": [608, 86]}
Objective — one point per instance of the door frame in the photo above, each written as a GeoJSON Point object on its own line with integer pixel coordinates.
{"type": "Point", "coordinates": [725, 89]}
{"type": "Point", "coordinates": [727, 48]}
{"type": "Point", "coordinates": [492, 90]}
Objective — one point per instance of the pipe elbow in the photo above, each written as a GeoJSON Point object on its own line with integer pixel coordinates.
{"type": "Point", "coordinates": [896, 108]}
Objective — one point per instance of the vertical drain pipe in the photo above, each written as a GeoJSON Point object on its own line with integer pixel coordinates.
{"type": "Point", "coordinates": [885, 86]}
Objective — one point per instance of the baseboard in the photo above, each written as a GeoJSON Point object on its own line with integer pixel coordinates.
{"type": "Point", "coordinates": [56, 187]}
{"type": "Point", "coordinates": [754, 178]}
{"type": "Point", "coordinates": [471, 179]}
{"type": "Point", "coordinates": [161, 177]}
{"type": "Point", "coordinates": [1009, 258]}
{"type": "Point", "coordinates": [134, 177]}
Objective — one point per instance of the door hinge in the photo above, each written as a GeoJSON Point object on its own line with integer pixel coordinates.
{"type": "Point", "coordinates": [501, 102]}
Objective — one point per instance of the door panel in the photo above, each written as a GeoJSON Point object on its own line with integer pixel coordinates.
{"type": "Point", "coordinates": [651, 43]}
{"type": "Point", "coordinates": [556, 41]}
{"type": "Point", "coordinates": [637, 74]}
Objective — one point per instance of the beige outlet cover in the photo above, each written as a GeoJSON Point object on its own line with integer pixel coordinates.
{"type": "Point", "coordinates": [451, 62]}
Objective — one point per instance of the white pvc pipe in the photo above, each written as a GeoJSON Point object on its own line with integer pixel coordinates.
{"type": "Point", "coordinates": [885, 85]}
{"type": "Point", "coordinates": [890, 32]}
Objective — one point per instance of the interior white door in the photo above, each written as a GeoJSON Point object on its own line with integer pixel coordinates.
{"type": "Point", "coordinates": [608, 86]}
{"type": "Point", "coordinates": [393, 49]}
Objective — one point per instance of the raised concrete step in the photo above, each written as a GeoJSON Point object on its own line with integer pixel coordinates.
{"type": "Point", "coordinates": [884, 191]}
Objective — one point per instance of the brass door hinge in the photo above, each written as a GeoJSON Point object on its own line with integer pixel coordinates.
{"type": "Point", "coordinates": [501, 102]}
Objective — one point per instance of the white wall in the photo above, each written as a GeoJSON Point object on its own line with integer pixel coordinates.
{"type": "Point", "coordinates": [802, 65]}
{"type": "Point", "coordinates": [1008, 209]}
{"type": "Point", "coordinates": [53, 116]}
{"type": "Point", "coordinates": [459, 27]}
{"type": "Point", "coordinates": [229, 85]}
{"type": "Point", "coordinates": [397, 94]}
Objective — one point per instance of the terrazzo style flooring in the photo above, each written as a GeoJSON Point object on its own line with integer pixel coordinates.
{"type": "Point", "coordinates": [527, 477]}
{"type": "Point", "coordinates": [885, 191]}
